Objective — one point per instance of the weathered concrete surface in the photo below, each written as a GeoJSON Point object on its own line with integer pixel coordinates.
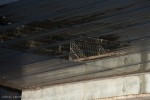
{"type": "Point", "coordinates": [129, 97]}
{"type": "Point", "coordinates": [93, 89]}
{"type": "Point", "coordinates": [3, 2]}
{"type": "Point", "coordinates": [107, 67]}
{"type": "Point", "coordinates": [102, 87]}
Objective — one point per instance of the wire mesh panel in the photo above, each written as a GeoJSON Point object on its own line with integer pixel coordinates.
{"type": "Point", "coordinates": [76, 52]}
{"type": "Point", "coordinates": [84, 50]}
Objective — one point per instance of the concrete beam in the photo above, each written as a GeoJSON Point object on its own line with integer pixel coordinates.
{"type": "Point", "coordinates": [93, 89]}
{"type": "Point", "coordinates": [107, 67]}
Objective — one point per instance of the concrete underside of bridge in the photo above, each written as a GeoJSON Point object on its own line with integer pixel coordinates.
{"type": "Point", "coordinates": [75, 49]}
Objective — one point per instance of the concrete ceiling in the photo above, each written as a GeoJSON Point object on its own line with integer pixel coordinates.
{"type": "Point", "coordinates": [4, 2]}
{"type": "Point", "coordinates": [123, 21]}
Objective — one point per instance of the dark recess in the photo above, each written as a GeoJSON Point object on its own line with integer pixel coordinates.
{"type": "Point", "coordinates": [7, 93]}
